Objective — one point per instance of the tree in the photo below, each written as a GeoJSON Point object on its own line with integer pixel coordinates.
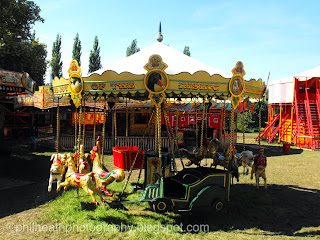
{"type": "Point", "coordinates": [76, 52]}
{"type": "Point", "coordinates": [133, 48]}
{"type": "Point", "coordinates": [35, 60]}
{"type": "Point", "coordinates": [20, 51]}
{"type": "Point", "coordinates": [186, 51]}
{"type": "Point", "coordinates": [56, 63]}
{"type": "Point", "coordinates": [95, 59]}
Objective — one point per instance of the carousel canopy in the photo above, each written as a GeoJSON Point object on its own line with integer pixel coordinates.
{"type": "Point", "coordinates": [177, 62]}
{"type": "Point", "coordinates": [159, 71]}
{"type": "Point", "coordinates": [282, 90]}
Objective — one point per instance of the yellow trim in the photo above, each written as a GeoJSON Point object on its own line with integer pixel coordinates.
{"type": "Point", "coordinates": [75, 74]}
{"type": "Point", "coordinates": [162, 73]}
{"type": "Point", "coordinates": [163, 207]}
{"type": "Point", "coordinates": [187, 198]}
{"type": "Point", "coordinates": [237, 76]}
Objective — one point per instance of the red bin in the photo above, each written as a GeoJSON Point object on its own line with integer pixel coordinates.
{"type": "Point", "coordinates": [123, 157]}
{"type": "Point", "coordinates": [286, 147]}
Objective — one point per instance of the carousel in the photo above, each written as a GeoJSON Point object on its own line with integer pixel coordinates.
{"type": "Point", "coordinates": [161, 75]}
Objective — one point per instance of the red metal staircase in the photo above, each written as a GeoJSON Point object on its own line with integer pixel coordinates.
{"type": "Point", "coordinates": [276, 130]}
{"type": "Point", "coordinates": [267, 128]}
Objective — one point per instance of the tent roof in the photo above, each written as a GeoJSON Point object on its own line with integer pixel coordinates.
{"type": "Point", "coordinates": [314, 72]}
{"type": "Point", "coordinates": [281, 91]}
{"type": "Point", "coordinates": [177, 62]}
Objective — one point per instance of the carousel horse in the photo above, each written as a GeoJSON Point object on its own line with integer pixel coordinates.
{"type": "Point", "coordinates": [84, 166]}
{"type": "Point", "coordinates": [57, 169]}
{"type": "Point", "coordinates": [103, 178]}
{"type": "Point", "coordinates": [195, 156]}
{"type": "Point", "coordinates": [230, 161]}
{"type": "Point", "coordinates": [85, 181]}
{"type": "Point", "coordinates": [247, 160]}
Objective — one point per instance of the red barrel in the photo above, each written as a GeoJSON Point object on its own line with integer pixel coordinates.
{"type": "Point", "coordinates": [286, 147]}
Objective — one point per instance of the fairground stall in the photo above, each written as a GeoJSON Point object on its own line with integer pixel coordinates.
{"type": "Point", "coordinates": [14, 84]}
{"type": "Point", "coordinates": [294, 111]}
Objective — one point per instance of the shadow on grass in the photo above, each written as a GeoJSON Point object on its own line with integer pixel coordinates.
{"type": "Point", "coordinates": [116, 221]}
{"type": "Point", "coordinates": [280, 210]}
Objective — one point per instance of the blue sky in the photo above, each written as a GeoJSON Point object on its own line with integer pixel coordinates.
{"type": "Point", "coordinates": [278, 36]}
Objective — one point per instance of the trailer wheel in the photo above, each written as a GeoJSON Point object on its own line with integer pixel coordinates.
{"type": "Point", "coordinates": [218, 205]}
{"type": "Point", "coordinates": [151, 205]}
{"type": "Point", "coordinates": [162, 205]}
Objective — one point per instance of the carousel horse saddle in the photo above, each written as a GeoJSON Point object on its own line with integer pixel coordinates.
{"type": "Point", "coordinates": [219, 156]}
{"type": "Point", "coordinates": [78, 176]}
{"type": "Point", "coordinates": [260, 170]}
{"type": "Point", "coordinates": [104, 175]}
{"type": "Point", "coordinates": [238, 155]}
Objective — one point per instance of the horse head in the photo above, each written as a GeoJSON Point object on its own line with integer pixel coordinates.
{"type": "Point", "coordinates": [247, 156]}
{"type": "Point", "coordinates": [183, 152]}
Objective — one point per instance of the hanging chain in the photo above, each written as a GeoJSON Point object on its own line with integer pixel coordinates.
{"type": "Point", "coordinates": [58, 127]}
{"type": "Point", "coordinates": [259, 121]}
{"type": "Point", "coordinates": [103, 131]}
{"type": "Point", "coordinates": [232, 131]}
{"type": "Point", "coordinates": [202, 126]}
{"type": "Point", "coordinates": [156, 140]}
{"type": "Point", "coordinates": [75, 128]}
{"type": "Point", "coordinates": [79, 132]}
{"type": "Point", "coordinates": [94, 123]}
{"type": "Point", "coordinates": [115, 127]}
{"type": "Point", "coordinates": [197, 134]}
{"type": "Point", "coordinates": [243, 126]}
{"type": "Point", "coordinates": [171, 138]}
{"type": "Point", "coordinates": [127, 124]}
{"type": "Point", "coordinates": [224, 122]}
{"type": "Point", "coordinates": [159, 130]}
{"type": "Point", "coordinates": [84, 122]}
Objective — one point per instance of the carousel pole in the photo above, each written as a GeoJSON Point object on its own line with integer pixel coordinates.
{"type": "Point", "coordinates": [115, 128]}
{"type": "Point", "coordinates": [58, 127]}
{"type": "Point", "coordinates": [84, 122]}
{"type": "Point", "coordinates": [224, 122]}
{"type": "Point", "coordinates": [79, 131]}
{"type": "Point", "coordinates": [158, 129]}
{"type": "Point", "coordinates": [197, 143]}
{"type": "Point", "coordinates": [94, 123]}
{"type": "Point", "coordinates": [75, 128]}
{"type": "Point", "coordinates": [232, 131]}
{"type": "Point", "coordinates": [259, 121]}
{"type": "Point", "coordinates": [127, 124]}
{"type": "Point", "coordinates": [243, 126]}
{"type": "Point", "coordinates": [103, 131]}
{"type": "Point", "coordinates": [202, 126]}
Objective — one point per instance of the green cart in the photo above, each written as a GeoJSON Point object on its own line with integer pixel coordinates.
{"type": "Point", "coordinates": [190, 189]}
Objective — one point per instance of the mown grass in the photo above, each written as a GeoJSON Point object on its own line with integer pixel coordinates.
{"type": "Point", "coordinates": [288, 210]}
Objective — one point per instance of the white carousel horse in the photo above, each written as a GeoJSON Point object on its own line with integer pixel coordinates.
{"type": "Point", "coordinates": [85, 181]}
{"type": "Point", "coordinates": [247, 161]}
{"type": "Point", "coordinates": [103, 178]}
{"type": "Point", "coordinates": [57, 169]}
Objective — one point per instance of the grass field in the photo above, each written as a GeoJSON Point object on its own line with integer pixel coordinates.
{"type": "Point", "coordinates": [288, 210]}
